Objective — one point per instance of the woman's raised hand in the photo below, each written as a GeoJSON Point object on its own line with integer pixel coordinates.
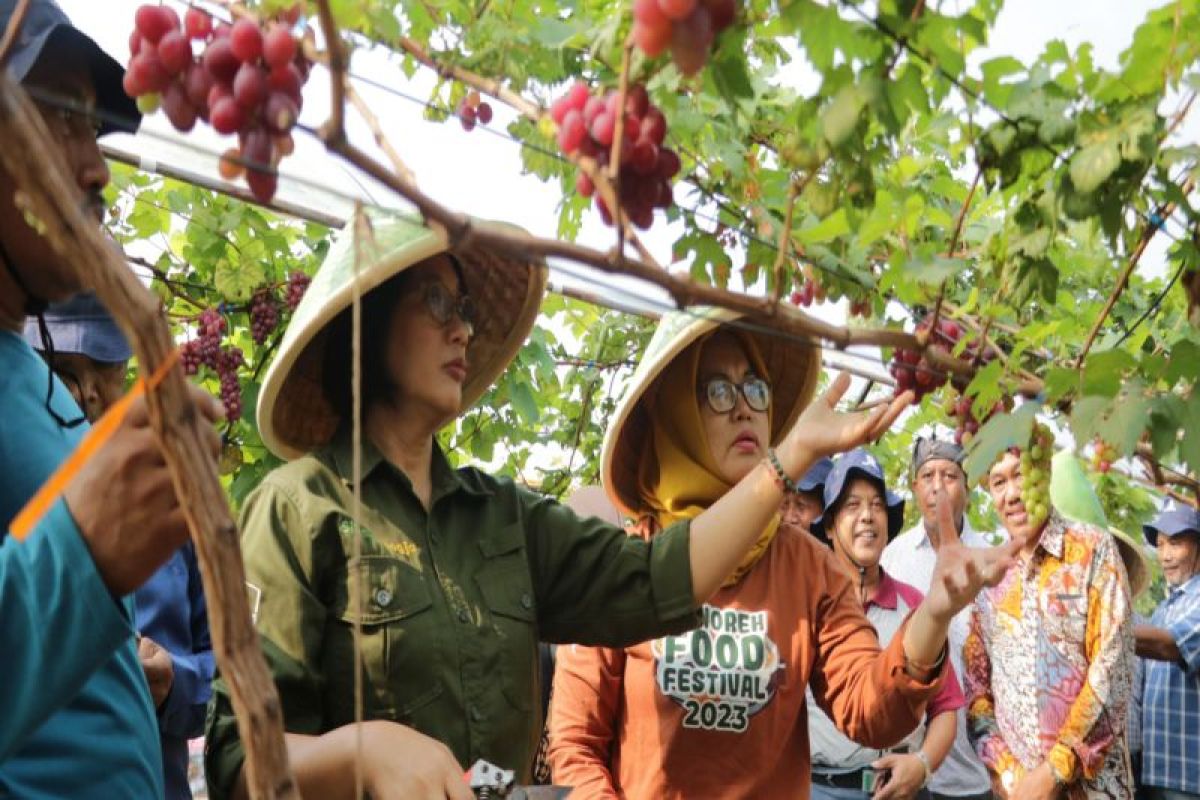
{"type": "Point", "coordinates": [821, 430]}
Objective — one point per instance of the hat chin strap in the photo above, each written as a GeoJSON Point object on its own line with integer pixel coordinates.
{"type": "Point", "coordinates": [34, 305]}
{"type": "Point", "coordinates": [862, 570]}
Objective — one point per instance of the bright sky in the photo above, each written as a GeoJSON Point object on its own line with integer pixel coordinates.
{"type": "Point", "coordinates": [480, 172]}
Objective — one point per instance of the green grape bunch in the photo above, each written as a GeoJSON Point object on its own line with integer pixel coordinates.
{"type": "Point", "coordinates": [1035, 471]}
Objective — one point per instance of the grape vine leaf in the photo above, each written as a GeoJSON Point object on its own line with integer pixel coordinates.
{"type": "Point", "coordinates": [998, 434]}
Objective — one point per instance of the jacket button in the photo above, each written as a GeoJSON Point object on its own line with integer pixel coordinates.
{"type": "Point", "coordinates": [464, 616]}
{"type": "Point", "coordinates": [476, 714]}
{"type": "Point", "coordinates": [383, 598]}
{"type": "Point", "coordinates": [526, 600]}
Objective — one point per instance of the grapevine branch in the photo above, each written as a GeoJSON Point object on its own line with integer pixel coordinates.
{"type": "Point", "coordinates": [1153, 225]}
{"type": "Point", "coordinates": [381, 140]}
{"type": "Point", "coordinates": [614, 161]}
{"type": "Point", "coordinates": [39, 173]}
{"type": "Point", "coordinates": [958, 226]}
{"type": "Point", "coordinates": [684, 292]}
{"type": "Point", "coordinates": [785, 238]}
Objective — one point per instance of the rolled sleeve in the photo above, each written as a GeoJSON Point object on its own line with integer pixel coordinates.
{"type": "Point", "coordinates": [949, 697]}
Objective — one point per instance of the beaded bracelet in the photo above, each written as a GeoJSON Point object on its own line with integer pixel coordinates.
{"type": "Point", "coordinates": [782, 480]}
{"type": "Point", "coordinates": [924, 759]}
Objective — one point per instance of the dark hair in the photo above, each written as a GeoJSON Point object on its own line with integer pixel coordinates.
{"type": "Point", "coordinates": [378, 306]}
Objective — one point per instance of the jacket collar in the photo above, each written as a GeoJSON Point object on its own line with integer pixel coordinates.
{"type": "Point", "coordinates": [446, 479]}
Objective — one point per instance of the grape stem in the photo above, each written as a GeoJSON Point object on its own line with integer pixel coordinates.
{"type": "Point", "coordinates": [614, 160]}
{"type": "Point", "coordinates": [381, 139]}
{"type": "Point", "coordinates": [795, 189]}
{"type": "Point", "coordinates": [958, 226]}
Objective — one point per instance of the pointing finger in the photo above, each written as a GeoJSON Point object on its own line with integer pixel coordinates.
{"type": "Point", "coordinates": [833, 395]}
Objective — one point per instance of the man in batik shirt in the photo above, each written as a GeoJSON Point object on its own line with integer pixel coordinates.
{"type": "Point", "coordinates": [1049, 658]}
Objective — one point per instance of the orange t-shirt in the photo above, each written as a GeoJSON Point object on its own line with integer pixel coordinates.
{"type": "Point", "coordinates": [720, 711]}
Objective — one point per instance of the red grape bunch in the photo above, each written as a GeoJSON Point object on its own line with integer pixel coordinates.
{"type": "Point", "coordinates": [805, 295]}
{"type": "Point", "coordinates": [297, 285]}
{"type": "Point", "coordinates": [960, 407]}
{"type": "Point", "coordinates": [246, 79]}
{"type": "Point", "coordinates": [473, 109]}
{"type": "Point", "coordinates": [230, 360]}
{"type": "Point", "coordinates": [688, 27]}
{"type": "Point", "coordinates": [587, 125]}
{"type": "Point", "coordinates": [264, 315]}
{"type": "Point", "coordinates": [205, 349]}
{"type": "Point", "coordinates": [913, 371]}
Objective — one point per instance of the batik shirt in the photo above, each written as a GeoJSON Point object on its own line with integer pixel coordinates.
{"type": "Point", "coordinates": [1049, 665]}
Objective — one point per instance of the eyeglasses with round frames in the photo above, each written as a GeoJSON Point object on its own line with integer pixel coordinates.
{"type": "Point", "coordinates": [443, 306]}
{"type": "Point", "coordinates": [722, 393]}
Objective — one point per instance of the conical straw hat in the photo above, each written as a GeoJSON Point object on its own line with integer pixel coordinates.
{"type": "Point", "coordinates": [1072, 494]}
{"type": "Point", "coordinates": [294, 416]}
{"type": "Point", "coordinates": [793, 367]}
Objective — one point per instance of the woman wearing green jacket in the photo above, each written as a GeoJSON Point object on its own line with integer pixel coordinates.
{"type": "Point", "coordinates": [461, 573]}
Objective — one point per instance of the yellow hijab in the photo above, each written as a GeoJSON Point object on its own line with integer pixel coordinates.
{"type": "Point", "coordinates": [677, 477]}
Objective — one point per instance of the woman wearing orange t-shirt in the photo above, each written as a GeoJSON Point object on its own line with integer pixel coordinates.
{"type": "Point", "coordinates": [720, 711]}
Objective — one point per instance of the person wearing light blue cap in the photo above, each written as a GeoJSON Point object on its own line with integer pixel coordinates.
{"type": "Point", "coordinates": [859, 518]}
{"type": "Point", "coordinates": [804, 504]}
{"type": "Point", "coordinates": [91, 356]}
{"type": "Point", "coordinates": [85, 348]}
{"type": "Point", "coordinates": [1170, 649]}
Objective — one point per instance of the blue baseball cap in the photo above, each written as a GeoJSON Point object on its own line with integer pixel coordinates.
{"type": "Point", "coordinates": [858, 463]}
{"type": "Point", "coordinates": [1173, 519]}
{"type": "Point", "coordinates": [81, 325]}
{"type": "Point", "coordinates": [814, 479]}
{"type": "Point", "coordinates": [46, 26]}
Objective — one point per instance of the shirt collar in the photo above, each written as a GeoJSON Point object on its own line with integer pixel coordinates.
{"type": "Point", "coordinates": [1053, 535]}
{"type": "Point", "coordinates": [341, 448]}
{"type": "Point", "coordinates": [1190, 586]}
{"type": "Point", "coordinates": [445, 479]}
{"type": "Point", "coordinates": [885, 595]}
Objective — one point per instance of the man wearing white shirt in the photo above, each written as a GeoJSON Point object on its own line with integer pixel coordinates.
{"type": "Point", "coordinates": [937, 471]}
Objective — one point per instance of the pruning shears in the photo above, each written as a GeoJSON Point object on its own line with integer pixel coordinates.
{"type": "Point", "coordinates": [489, 782]}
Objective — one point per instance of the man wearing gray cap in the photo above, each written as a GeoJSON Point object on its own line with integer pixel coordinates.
{"type": "Point", "coordinates": [1170, 647]}
{"type": "Point", "coordinates": [937, 476]}
{"type": "Point", "coordinates": [77, 715]}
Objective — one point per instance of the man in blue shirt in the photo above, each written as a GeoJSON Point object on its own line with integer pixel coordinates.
{"type": "Point", "coordinates": [77, 716]}
{"type": "Point", "coordinates": [91, 357]}
{"type": "Point", "coordinates": [1170, 645]}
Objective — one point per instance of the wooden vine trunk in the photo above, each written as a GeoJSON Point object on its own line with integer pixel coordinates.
{"type": "Point", "coordinates": [77, 239]}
